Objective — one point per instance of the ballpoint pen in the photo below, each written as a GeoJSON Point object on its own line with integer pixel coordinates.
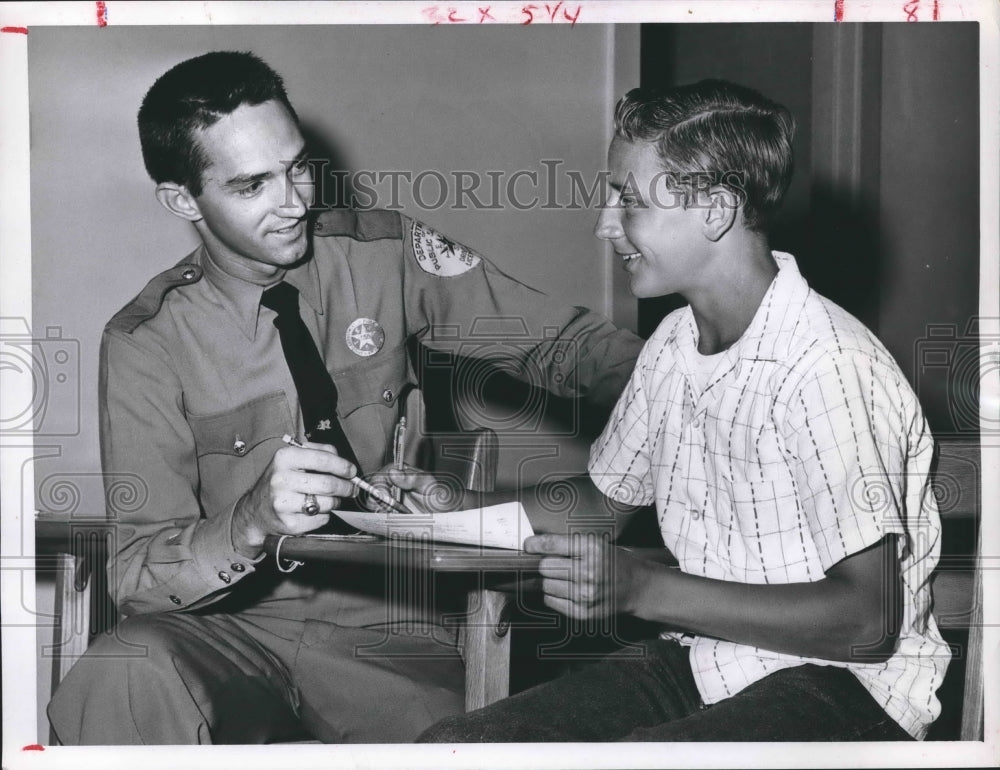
{"type": "Point", "coordinates": [359, 482]}
{"type": "Point", "coordinates": [398, 445]}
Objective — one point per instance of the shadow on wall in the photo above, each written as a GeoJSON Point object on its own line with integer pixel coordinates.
{"type": "Point", "coordinates": [331, 171]}
{"type": "Point", "coordinates": [838, 249]}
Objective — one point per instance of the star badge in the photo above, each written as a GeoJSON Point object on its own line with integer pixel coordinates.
{"type": "Point", "coordinates": [365, 337]}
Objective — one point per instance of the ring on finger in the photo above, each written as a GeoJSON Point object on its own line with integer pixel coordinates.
{"type": "Point", "coordinates": [310, 507]}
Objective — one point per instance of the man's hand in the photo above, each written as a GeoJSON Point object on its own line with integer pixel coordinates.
{"type": "Point", "coordinates": [584, 577]}
{"type": "Point", "coordinates": [274, 506]}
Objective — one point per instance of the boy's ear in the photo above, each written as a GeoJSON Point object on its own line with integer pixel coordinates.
{"type": "Point", "coordinates": [721, 214]}
{"type": "Point", "coordinates": [178, 200]}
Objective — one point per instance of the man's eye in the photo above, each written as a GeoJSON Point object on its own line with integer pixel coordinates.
{"type": "Point", "coordinates": [250, 190]}
{"type": "Point", "coordinates": [300, 167]}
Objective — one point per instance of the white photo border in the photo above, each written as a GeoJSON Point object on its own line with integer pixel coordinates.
{"type": "Point", "coordinates": [19, 698]}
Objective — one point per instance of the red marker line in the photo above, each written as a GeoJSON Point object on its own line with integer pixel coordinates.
{"type": "Point", "coordinates": [102, 13]}
{"type": "Point", "coordinates": [15, 30]}
{"type": "Point", "coordinates": [838, 10]}
{"type": "Point", "coordinates": [33, 746]}
{"type": "Point", "coordinates": [937, 14]}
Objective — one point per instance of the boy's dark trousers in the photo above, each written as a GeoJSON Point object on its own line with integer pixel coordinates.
{"type": "Point", "coordinates": [653, 697]}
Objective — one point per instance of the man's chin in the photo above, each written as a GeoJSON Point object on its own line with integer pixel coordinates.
{"type": "Point", "coordinates": [299, 256]}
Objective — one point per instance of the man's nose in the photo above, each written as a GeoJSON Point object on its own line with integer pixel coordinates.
{"type": "Point", "coordinates": [298, 197]}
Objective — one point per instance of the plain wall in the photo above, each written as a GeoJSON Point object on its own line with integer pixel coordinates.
{"type": "Point", "coordinates": [377, 98]}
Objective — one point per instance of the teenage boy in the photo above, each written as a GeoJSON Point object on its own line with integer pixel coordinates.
{"type": "Point", "coordinates": [785, 453]}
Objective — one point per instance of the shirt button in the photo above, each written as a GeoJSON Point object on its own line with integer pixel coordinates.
{"type": "Point", "coordinates": [696, 515]}
{"type": "Point", "coordinates": [237, 567]}
{"type": "Point", "coordinates": [387, 395]}
{"type": "Point", "coordinates": [240, 446]}
{"type": "Point", "coordinates": [225, 578]}
{"type": "Point", "coordinates": [696, 424]}
{"type": "Point", "coordinates": [189, 274]}
{"type": "Point", "coordinates": [174, 599]}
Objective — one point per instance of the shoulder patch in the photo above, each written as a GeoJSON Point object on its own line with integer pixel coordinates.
{"type": "Point", "coordinates": [373, 225]}
{"type": "Point", "coordinates": [149, 301]}
{"type": "Point", "coordinates": [439, 256]}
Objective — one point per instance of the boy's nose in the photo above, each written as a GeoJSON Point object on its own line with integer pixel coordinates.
{"type": "Point", "coordinates": [608, 225]}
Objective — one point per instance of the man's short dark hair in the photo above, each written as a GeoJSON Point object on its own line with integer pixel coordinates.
{"type": "Point", "coordinates": [192, 96]}
{"type": "Point", "coordinates": [718, 131]}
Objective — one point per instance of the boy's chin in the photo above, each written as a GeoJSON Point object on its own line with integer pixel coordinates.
{"type": "Point", "coordinates": [641, 292]}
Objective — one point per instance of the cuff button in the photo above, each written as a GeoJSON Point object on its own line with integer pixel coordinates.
{"type": "Point", "coordinates": [175, 599]}
{"type": "Point", "coordinates": [237, 567]}
{"type": "Point", "coordinates": [225, 577]}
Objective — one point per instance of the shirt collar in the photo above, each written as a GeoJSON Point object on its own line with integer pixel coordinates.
{"type": "Point", "coordinates": [770, 333]}
{"type": "Point", "coordinates": [241, 298]}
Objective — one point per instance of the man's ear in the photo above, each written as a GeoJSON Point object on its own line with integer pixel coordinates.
{"type": "Point", "coordinates": [178, 200]}
{"type": "Point", "coordinates": [724, 206]}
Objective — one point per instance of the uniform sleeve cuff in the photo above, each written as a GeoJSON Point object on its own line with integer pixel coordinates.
{"type": "Point", "coordinates": [218, 562]}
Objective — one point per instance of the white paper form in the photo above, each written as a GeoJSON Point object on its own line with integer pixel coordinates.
{"type": "Point", "coordinates": [495, 526]}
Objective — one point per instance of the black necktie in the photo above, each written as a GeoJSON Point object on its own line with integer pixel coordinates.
{"type": "Point", "coordinates": [317, 393]}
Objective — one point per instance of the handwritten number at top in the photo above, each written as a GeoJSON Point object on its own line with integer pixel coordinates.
{"type": "Point", "coordinates": [530, 13]}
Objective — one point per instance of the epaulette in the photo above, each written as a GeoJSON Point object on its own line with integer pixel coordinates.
{"type": "Point", "coordinates": [370, 225]}
{"type": "Point", "coordinates": [149, 301]}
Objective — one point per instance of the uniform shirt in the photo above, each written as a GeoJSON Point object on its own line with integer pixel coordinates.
{"type": "Point", "coordinates": [806, 446]}
{"type": "Point", "coordinates": [195, 395]}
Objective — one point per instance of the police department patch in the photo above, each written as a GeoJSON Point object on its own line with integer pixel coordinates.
{"type": "Point", "coordinates": [438, 256]}
{"type": "Point", "coordinates": [365, 337]}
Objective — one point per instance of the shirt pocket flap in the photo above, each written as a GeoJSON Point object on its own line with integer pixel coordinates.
{"type": "Point", "coordinates": [237, 431]}
{"type": "Point", "coordinates": [383, 382]}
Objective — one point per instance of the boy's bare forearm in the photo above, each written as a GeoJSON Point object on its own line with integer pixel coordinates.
{"type": "Point", "coordinates": [850, 614]}
{"type": "Point", "coordinates": [572, 504]}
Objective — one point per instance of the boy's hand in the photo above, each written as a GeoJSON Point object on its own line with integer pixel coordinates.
{"type": "Point", "coordinates": [584, 577]}
{"type": "Point", "coordinates": [424, 491]}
